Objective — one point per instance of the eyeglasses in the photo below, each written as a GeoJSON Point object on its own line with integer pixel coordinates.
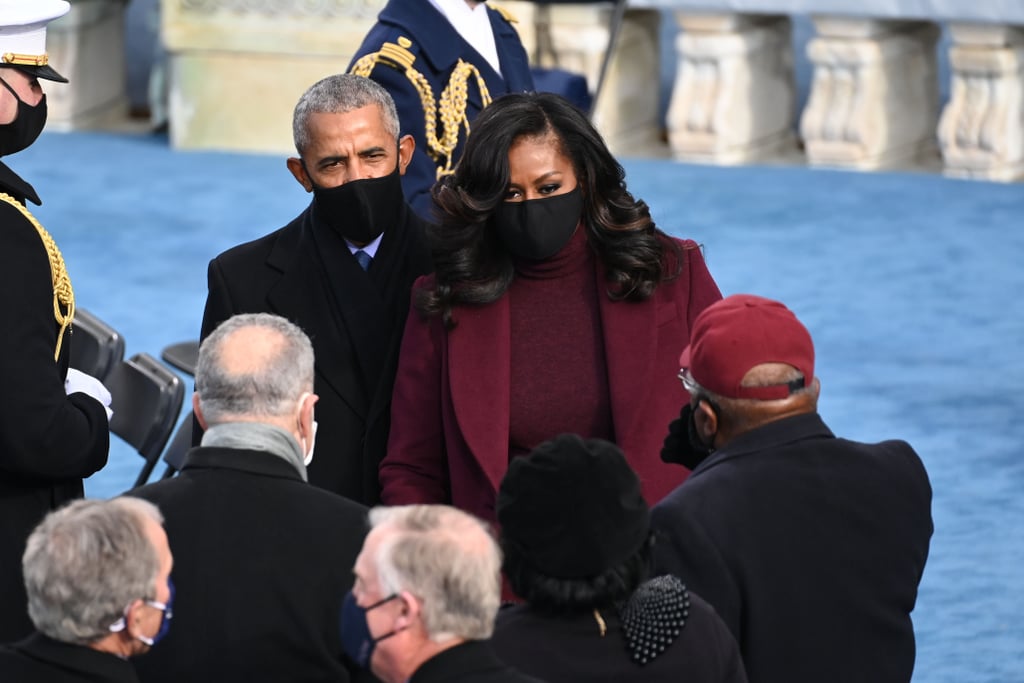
{"type": "Point", "coordinates": [692, 387]}
{"type": "Point", "coordinates": [688, 382]}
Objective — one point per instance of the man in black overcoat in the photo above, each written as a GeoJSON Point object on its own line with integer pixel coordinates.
{"type": "Point", "coordinates": [97, 574]}
{"type": "Point", "coordinates": [342, 271]}
{"type": "Point", "coordinates": [810, 547]}
{"type": "Point", "coordinates": [262, 559]}
{"type": "Point", "coordinates": [52, 434]}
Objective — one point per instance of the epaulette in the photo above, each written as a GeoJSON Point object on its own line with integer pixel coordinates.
{"type": "Point", "coordinates": [505, 14]}
{"type": "Point", "coordinates": [452, 104]}
{"type": "Point", "coordinates": [63, 295]}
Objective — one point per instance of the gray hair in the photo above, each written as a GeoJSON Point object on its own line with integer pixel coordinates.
{"type": "Point", "coordinates": [339, 94]}
{"type": "Point", "coordinates": [268, 385]}
{"type": "Point", "coordinates": [85, 563]}
{"type": "Point", "coordinates": [449, 560]}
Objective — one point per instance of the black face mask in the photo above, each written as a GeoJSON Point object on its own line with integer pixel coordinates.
{"type": "Point", "coordinates": [360, 210]}
{"type": "Point", "coordinates": [537, 229]}
{"type": "Point", "coordinates": [26, 126]}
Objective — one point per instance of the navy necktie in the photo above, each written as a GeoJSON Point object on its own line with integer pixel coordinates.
{"type": "Point", "coordinates": [363, 258]}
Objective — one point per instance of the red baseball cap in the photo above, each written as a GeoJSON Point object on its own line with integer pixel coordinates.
{"type": "Point", "coordinates": [740, 332]}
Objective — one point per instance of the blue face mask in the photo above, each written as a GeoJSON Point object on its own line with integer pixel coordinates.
{"type": "Point", "coordinates": [166, 608]}
{"type": "Point", "coordinates": [165, 618]}
{"type": "Point", "coordinates": [356, 639]}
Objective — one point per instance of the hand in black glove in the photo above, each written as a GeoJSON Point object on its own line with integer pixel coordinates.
{"type": "Point", "coordinates": [682, 446]}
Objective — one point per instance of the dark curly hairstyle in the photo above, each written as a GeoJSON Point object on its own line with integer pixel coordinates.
{"type": "Point", "coordinates": [553, 595]}
{"type": "Point", "coordinates": [472, 265]}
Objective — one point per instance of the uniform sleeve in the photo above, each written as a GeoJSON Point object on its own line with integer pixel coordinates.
{"type": "Point", "coordinates": [682, 548]}
{"type": "Point", "coordinates": [415, 468]}
{"type": "Point", "coordinates": [44, 433]}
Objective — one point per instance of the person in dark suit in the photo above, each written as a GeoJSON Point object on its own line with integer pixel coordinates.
{"type": "Point", "coordinates": [810, 547]}
{"type": "Point", "coordinates": [99, 589]}
{"type": "Point", "coordinates": [53, 428]}
{"type": "Point", "coordinates": [342, 271]}
{"type": "Point", "coordinates": [576, 537]}
{"type": "Point", "coordinates": [262, 559]}
{"type": "Point", "coordinates": [557, 307]}
{"type": "Point", "coordinates": [443, 62]}
{"type": "Point", "coordinates": [426, 591]}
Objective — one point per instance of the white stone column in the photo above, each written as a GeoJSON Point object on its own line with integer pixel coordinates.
{"type": "Point", "coordinates": [981, 132]}
{"type": "Point", "coordinates": [86, 46]}
{"type": "Point", "coordinates": [874, 96]}
{"type": "Point", "coordinates": [236, 69]}
{"type": "Point", "coordinates": [575, 38]}
{"type": "Point", "coordinates": [734, 98]}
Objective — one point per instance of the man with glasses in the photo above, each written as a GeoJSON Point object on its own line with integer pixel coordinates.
{"type": "Point", "coordinates": [97, 574]}
{"type": "Point", "coordinates": [810, 547]}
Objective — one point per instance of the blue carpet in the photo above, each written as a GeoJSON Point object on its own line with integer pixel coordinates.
{"type": "Point", "coordinates": [908, 282]}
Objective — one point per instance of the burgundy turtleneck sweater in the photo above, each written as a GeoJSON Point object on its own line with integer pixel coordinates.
{"type": "Point", "coordinates": [559, 380]}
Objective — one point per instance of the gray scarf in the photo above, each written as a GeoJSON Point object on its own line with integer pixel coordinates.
{"type": "Point", "coordinates": [257, 436]}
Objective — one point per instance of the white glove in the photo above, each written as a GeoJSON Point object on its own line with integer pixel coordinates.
{"type": "Point", "coordinates": [79, 382]}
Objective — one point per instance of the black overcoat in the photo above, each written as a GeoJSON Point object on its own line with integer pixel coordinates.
{"type": "Point", "coordinates": [810, 548]}
{"type": "Point", "coordinates": [354, 319]}
{"type": "Point", "coordinates": [262, 561]}
{"type": "Point", "coordinates": [49, 441]}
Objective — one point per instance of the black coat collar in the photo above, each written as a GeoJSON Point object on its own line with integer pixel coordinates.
{"type": "Point", "coordinates": [253, 462]}
{"type": "Point", "coordinates": [472, 656]}
{"type": "Point", "coordinates": [12, 184]}
{"type": "Point", "coordinates": [90, 664]}
{"type": "Point", "coordinates": [769, 436]}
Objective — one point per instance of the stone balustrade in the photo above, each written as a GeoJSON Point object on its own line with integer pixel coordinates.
{"type": "Point", "coordinates": [235, 69]}
{"type": "Point", "coordinates": [874, 99]}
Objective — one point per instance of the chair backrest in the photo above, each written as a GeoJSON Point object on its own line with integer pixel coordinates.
{"type": "Point", "coordinates": [96, 347]}
{"type": "Point", "coordinates": [146, 400]}
{"type": "Point", "coordinates": [179, 446]}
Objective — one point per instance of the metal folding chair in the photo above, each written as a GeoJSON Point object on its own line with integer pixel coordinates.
{"type": "Point", "coordinates": [146, 399]}
{"type": "Point", "coordinates": [96, 347]}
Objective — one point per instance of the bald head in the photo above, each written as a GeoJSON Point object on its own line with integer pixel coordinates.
{"type": "Point", "coordinates": [253, 366]}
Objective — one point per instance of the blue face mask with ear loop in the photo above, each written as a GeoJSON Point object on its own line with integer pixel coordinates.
{"type": "Point", "coordinates": [166, 615]}
{"type": "Point", "coordinates": [166, 609]}
{"type": "Point", "coordinates": [356, 639]}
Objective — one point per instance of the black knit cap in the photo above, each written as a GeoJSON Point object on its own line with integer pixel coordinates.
{"type": "Point", "coordinates": [573, 507]}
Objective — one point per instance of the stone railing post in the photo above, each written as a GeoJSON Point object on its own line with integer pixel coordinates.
{"type": "Point", "coordinates": [574, 37]}
{"type": "Point", "coordinates": [874, 97]}
{"type": "Point", "coordinates": [86, 46]}
{"type": "Point", "coordinates": [236, 69]}
{"type": "Point", "coordinates": [981, 131]}
{"type": "Point", "coordinates": [734, 98]}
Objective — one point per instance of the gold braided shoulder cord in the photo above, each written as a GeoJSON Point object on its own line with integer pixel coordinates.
{"type": "Point", "coordinates": [452, 104]}
{"type": "Point", "coordinates": [63, 295]}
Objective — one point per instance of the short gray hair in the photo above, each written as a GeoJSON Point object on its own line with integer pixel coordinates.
{"type": "Point", "coordinates": [339, 94]}
{"type": "Point", "coordinates": [85, 563]}
{"type": "Point", "coordinates": [268, 387]}
{"type": "Point", "coordinates": [449, 560]}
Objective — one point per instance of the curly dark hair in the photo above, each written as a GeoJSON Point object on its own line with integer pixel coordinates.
{"type": "Point", "coordinates": [472, 265]}
{"type": "Point", "coordinates": [553, 595]}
